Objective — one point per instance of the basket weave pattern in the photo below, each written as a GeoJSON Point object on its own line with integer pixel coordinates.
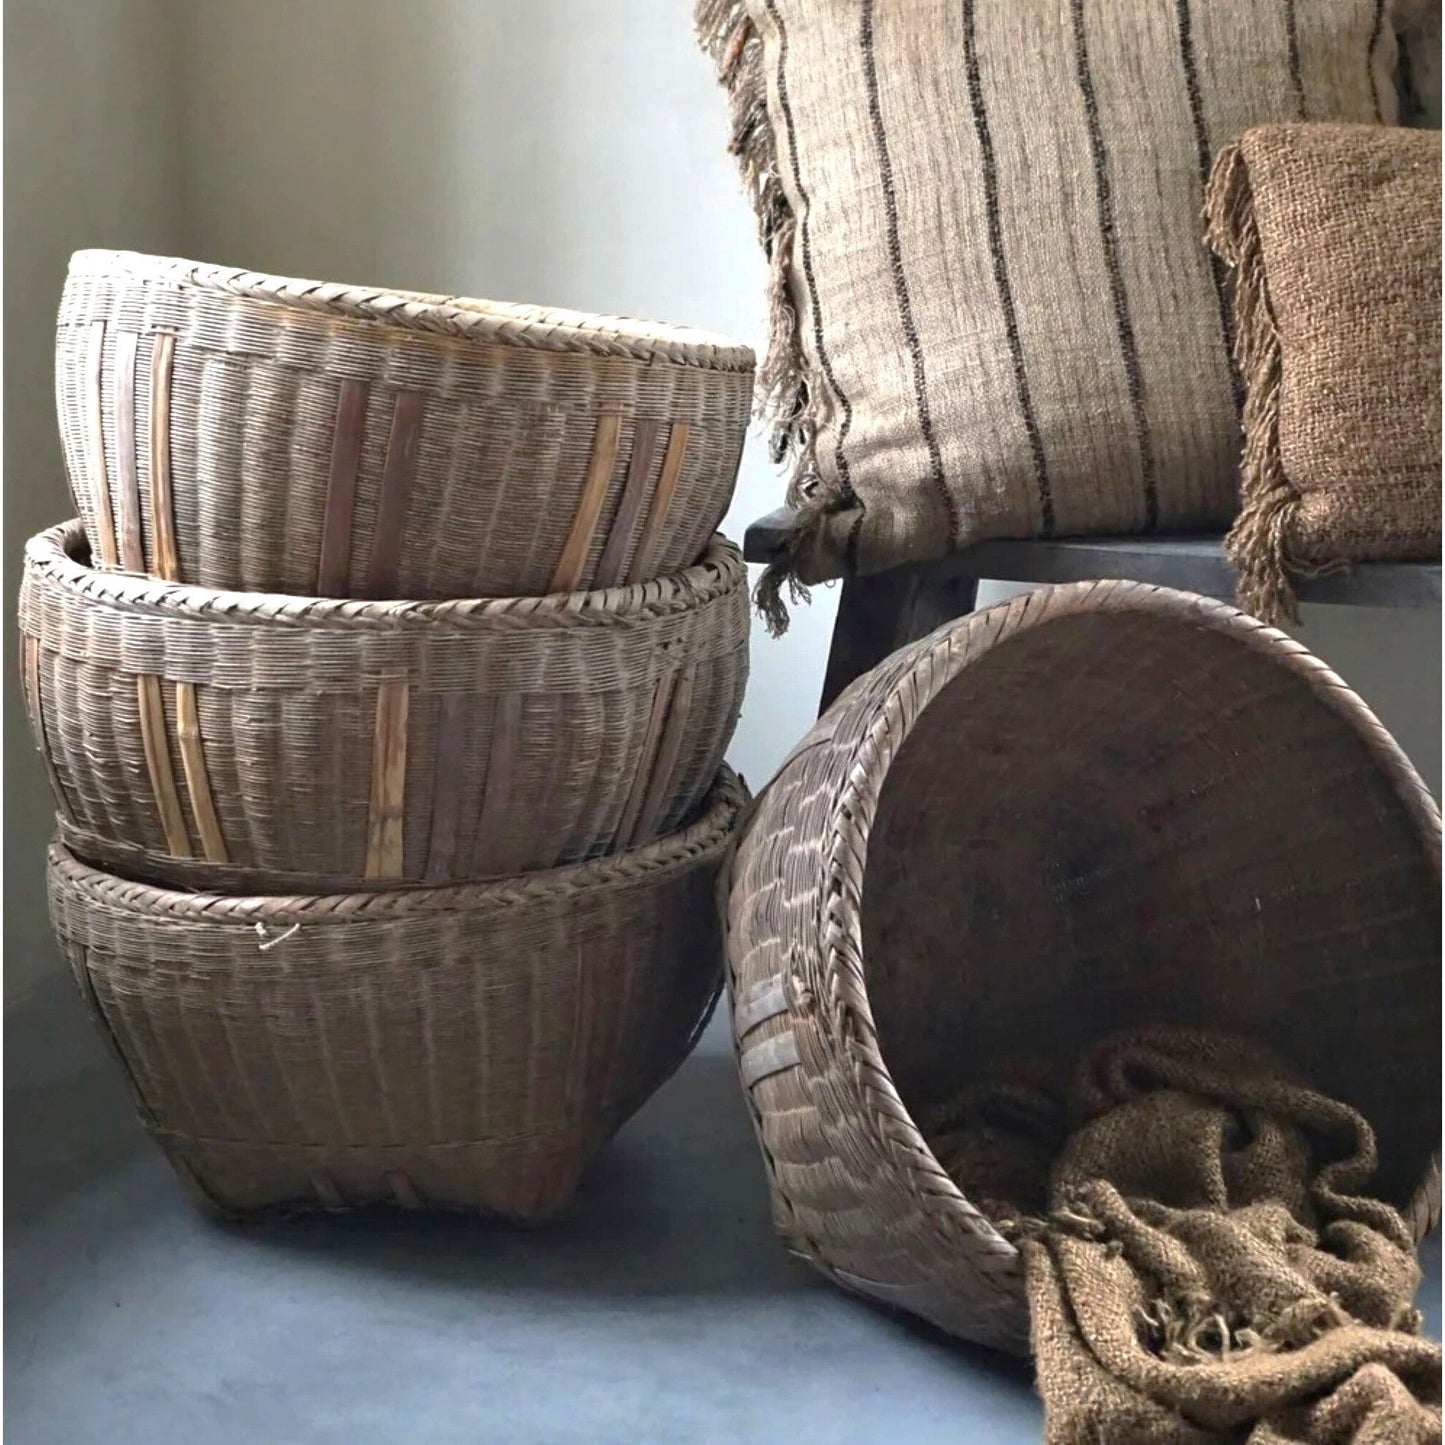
{"type": "Point", "coordinates": [880, 952]}
{"type": "Point", "coordinates": [263, 743]}
{"type": "Point", "coordinates": [469, 1046]}
{"type": "Point", "coordinates": [235, 430]}
{"type": "Point", "coordinates": [377, 900]}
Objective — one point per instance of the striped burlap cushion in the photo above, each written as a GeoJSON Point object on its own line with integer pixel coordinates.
{"type": "Point", "coordinates": [993, 311]}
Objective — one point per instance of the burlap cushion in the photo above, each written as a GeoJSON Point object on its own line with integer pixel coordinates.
{"type": "Point", "coordinates": [993, 311]}
{"type": "Point", "coordinates": [1334, 232]}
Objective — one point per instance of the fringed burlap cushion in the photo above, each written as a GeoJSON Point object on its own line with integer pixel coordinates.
{"type": "Point", "coordinates": [1334, 236]}
{"type": "Point", "coordinates": [993, 314]}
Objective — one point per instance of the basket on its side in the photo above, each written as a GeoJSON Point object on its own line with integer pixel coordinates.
{"type": "Point", "coordinates": [467, 1047]}
{"type": "Point", "coordinates": [251, 432]}
{"type": "Point", "coordinates": [1095, 807]}
{"type": "Point", "coordinates": [254, 743]}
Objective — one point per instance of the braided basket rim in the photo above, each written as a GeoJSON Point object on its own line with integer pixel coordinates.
{"type": "Point", "coordinates": [709, 834]}
{"type": "Point", "coordinates": [913, 679]}
{"type": "Point", "coordinates": [539, 328]}
{"type": "Point", "coordinates": [51, 561]}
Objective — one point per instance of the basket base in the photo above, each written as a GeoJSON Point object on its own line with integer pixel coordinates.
{"type": "Point", "coordinates": [523, 1180]}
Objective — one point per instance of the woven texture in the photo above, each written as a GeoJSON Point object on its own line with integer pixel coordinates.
{"type": "Point", "coordinates": [236, 430]}
{"type": "Point", "coordinates": [1096, 807]}
{"type": "Point", "coordinates": [466, 1047]}
{"type": "Point", "coordinates": [261, 743]}
{"type": "Point", "coordinates": [1334, 236]}
{"type": "Point", "coordinates": [993, 314]}
{"type": "Point", "coordinates": [1213, 1267]}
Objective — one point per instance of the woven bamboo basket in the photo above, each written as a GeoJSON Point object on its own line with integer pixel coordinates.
{"type": "Point", "coordinates": [257, 743]}
{"type": "Point", "coordinates": [251, 432]}
{"type": "Point", "coordinates": [1096, 806]}
{"type": "Point", "coordinates": [468, 1047]}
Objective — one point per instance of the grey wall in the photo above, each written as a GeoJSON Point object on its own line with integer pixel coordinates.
{"type": "Point", "coordinates": [91, 158]}
{"type": "Point", "coordinates": [557, 151]}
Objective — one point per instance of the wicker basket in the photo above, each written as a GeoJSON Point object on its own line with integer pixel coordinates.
{"type": "Point", "coordinates": [467, 1047]}
{"type": "Point", "coordinates": [243, 431]}
{"type": "Point", "coordinates": [255, 743]}
{"type": "Point", "coordinates": [1096, 806]}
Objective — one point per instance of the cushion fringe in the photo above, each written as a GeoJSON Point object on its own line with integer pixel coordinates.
{"type": "Point", "coordinates": [787, 392]}
{"type": "Point", "coordinates": [1259, 542]}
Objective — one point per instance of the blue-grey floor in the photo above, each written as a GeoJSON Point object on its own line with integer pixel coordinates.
{"type": "Point", "coordinates": [661, 1311]}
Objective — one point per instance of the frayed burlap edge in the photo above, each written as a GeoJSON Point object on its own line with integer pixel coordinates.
{"type": "Point", "coordinates": [1259, 542]}
{"type": "Point", "coordinates": [788, 391]}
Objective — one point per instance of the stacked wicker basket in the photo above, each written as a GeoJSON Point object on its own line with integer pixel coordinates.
{"type": "Point", "coordinates": [386, 900]}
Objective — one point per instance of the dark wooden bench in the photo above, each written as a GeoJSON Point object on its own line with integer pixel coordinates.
{"type": "Point", "coordinates": [880, 613]}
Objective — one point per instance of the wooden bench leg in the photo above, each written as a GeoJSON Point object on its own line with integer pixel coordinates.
{"type": "Point", "coordinates": [879, 614]}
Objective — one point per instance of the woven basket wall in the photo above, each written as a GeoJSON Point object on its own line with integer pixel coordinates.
{"type": "Point", "coordinates": [467, 1047]}
{"type": "Point", "coordinates": [259, 743]}
{"type": "Point", "coordinates": [1095, 806]}
{"type": "Point", "coordinates": [243, 431]}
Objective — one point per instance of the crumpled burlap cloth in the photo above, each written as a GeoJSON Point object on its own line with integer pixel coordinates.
{"type": "Point", "coordinates": [1209, 1267]}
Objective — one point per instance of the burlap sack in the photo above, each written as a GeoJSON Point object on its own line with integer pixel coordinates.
{"type": "Point", "coordinates": [1211, 1266]}
{"type": "Point", "coordinates": [1334, 236]}
{"type": "Point", "coordinates": [993, 314]}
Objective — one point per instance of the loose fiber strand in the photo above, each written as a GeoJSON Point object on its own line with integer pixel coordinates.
{"type": "Point", "coordinates": [788, 393]}
{"type": "Point", "coordinates": [1258, 543]}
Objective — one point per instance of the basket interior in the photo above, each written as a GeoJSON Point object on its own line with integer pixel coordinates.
{"type": "Point", "coordinates": [1117, 819]}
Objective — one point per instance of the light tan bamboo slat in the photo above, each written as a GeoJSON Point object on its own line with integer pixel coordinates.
{"type": "Point", "coordinates": [385, 827]}
{"type": "Point", "coordinates": [644, 559]}
{"type": "Point", "coordinates": [198, 782]}
{"type": "Point", "coordinates": [132, 549]}
{"type": "Point", "coordinates": [162, 776]}
{"type": "Point", "coordinates": [399, 1046]}
{"type": "Point", "coordinates": [568, 575]}
{"type": "Point", "coordinates": [100, 512]}
{"type": "Point", "coordinates": [166, 562]}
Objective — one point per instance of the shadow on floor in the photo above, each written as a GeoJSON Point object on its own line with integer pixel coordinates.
{"type": "Point", "coordinates": [677, 1204]}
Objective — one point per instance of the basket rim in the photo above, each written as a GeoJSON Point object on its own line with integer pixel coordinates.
{"type": "Point", "coordinates": [538, 328]}
{"type": "Point", "coordinates": [51, 561]}
{"type": "Point", "coordinates": [932, 664]}
{"type": "Point", "coordinates": [706, 836]}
